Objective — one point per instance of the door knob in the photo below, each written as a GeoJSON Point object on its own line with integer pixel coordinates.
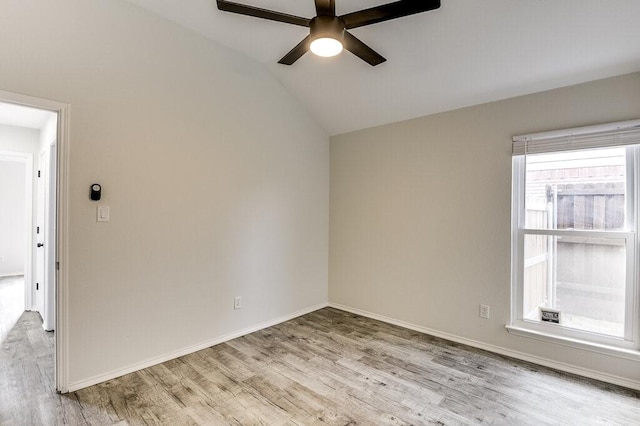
{"type": "Point", "coordinates": [40, 245]}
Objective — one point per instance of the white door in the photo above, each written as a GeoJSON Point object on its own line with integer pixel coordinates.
{"type": "Point", "coordinates": [40, 235]}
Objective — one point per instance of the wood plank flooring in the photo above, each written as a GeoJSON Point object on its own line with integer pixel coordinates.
{"type": "Point", "coordinates": [327, 367]}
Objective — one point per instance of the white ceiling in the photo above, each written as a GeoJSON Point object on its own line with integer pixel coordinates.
{"type": "Point", "coordinates": [465, 53]}
{"type": "Point", "coordinates": [22, 116]}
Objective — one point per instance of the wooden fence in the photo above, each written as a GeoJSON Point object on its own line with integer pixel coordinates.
{"type": "Point", "coordinates": [562, 272]}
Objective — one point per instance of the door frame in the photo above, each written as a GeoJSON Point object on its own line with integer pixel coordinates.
{"type": "Point", "coordinates": [49, 320]}
{"type": "Point", "coordinates": [39, 252]}
{"type": "Point", "coordinates": [62, 227]}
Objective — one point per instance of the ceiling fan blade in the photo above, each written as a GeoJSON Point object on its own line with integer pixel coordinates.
{"type": "Point", "coordinates": [257, 12]}
{"type": "Point", "coordinates": [326, 7]}
{"type": "Point", "coordinates": [361, 50]}
{"type": "Point", "coordinates": [388, 11]}
{"type": "Point", "coordinates": [297, 52]}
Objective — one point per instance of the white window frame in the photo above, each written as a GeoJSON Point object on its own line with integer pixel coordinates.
{"type": "Point", "coordinates": [609, 135]}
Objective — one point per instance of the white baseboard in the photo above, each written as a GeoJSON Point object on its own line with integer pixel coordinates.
{"type": "Point", "coordinates": [185, 351]}
{"type": "Point", "coordinates": [585, 372]}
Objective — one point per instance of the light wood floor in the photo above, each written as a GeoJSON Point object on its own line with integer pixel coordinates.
{"type": "Point", "coordinates": [327, 367]}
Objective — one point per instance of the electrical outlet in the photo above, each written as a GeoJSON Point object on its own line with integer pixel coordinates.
{"type": "Point", "coordinates": [237, 302]}
{"type": "Point", "coordinates": [484, 311]}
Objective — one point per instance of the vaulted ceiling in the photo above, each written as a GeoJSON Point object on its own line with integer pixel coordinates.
{"type": "Point", "coordinates": [465, 53]}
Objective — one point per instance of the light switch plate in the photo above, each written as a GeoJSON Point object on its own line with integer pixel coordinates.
{"type": "Point", "coordinates": [103, 214]}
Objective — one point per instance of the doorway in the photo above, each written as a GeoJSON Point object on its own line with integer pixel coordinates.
{"type": "Point", "coordinates": [35, 131]}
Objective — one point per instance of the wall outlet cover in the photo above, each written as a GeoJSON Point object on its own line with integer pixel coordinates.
{"type": "Point", "coordinates": [484, 311]}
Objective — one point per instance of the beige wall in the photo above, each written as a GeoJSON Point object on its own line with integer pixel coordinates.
{"type": "Point", "coordinates": [421, 210]}
{"type": "Point", "coordinates": [216, 177]}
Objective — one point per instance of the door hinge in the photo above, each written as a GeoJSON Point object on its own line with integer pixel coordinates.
{"type": "Point", "coordinates": [57, 266]}
{"type": "Point", "coordinates": [37, 286]}
{"type": "Point", "coordinates": [38, 173]}
{"type": "Point", "coordinates": [37, 229]}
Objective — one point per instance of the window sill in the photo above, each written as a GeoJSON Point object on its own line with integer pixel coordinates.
{"type": "Point", "coordinates": [630, 354]}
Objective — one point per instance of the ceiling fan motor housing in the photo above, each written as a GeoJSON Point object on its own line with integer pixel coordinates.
{"type": "Point", "coordinates": [327, 26]}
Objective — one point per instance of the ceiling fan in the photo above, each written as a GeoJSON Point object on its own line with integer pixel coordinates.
{"type": "Point", "coordinates": [328, 32]}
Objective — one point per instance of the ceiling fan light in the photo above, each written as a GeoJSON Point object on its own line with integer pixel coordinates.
{"type": "Point", "coordinates": [326, 46]}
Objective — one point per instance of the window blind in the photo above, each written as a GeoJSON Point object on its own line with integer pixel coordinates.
{"type": "Point", "coordinates": [600, 136]}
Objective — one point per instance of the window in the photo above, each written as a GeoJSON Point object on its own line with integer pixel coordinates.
{"type": "Point", "coordinates": [574, 234]}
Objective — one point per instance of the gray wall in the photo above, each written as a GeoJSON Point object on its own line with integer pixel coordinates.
{"type": "Point", "coordinates": [421, 212]}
